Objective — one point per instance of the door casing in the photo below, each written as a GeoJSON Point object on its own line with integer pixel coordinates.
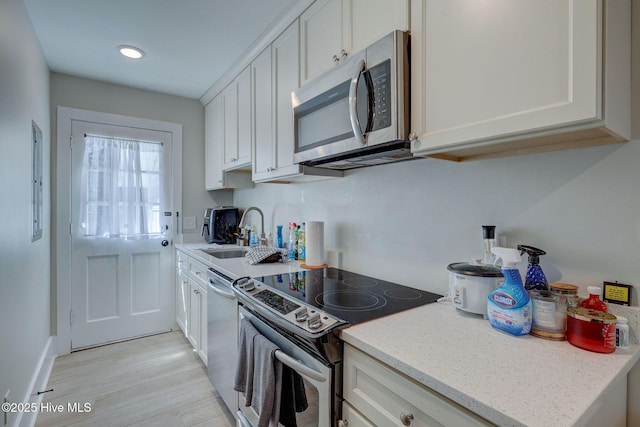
{"type": "Point", "coordinates": [62, 237]}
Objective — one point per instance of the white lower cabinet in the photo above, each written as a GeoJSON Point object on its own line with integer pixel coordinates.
{"type": "Point", "coordinates": [377, 395]}
{"type": "Point", "coordinates": [191, 302]}
{"type": "Point", "coordinates": [182, 291]}
{"type": "Point", "coordinates": [352, 418]}
{"type": "Point", "coordinates": [182, 300]}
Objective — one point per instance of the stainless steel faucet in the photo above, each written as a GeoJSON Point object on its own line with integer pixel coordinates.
{"type": "Point", "coordinates": [263, 239]}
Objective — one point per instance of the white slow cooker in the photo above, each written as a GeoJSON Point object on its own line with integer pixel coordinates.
{"type": "Point", "coordinates": [470, 285]}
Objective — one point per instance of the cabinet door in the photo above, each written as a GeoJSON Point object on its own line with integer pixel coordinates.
{"type": "Point", "coordinates": [263, 139]}
{"type": "Point", "coordinates": [324, 35]}
{"type": "Point", "coordinates": [202, 348]}
{"type": "Point", "coordinates": [286, 59]}
{"type": "Point", "coordinates": [230, 103]}
{"type": "Point", "coordinates": [373, 19]}
{"type": "Point", "coordinates": [485, 70]}
{"type": "Point", "coordinates": [214, 140]}
{"type": "Point", "coordinates": [243, 149]}
{"type": "Point", "coordinates": [193, 323]}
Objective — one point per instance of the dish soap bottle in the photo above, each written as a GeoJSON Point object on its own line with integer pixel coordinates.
{"type": "Point", "coordinates": [535, 278]}
{"type": "Point", "coordinates": [509, 306]}
{"type": "Point", "coordinates": [594, 302]}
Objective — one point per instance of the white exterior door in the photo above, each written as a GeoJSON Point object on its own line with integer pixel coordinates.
{"type": "Point", "coordinates": [121, 233]}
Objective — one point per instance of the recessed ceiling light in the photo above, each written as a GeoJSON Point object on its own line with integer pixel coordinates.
{"type": "Point", "coordinates": [131, 52]}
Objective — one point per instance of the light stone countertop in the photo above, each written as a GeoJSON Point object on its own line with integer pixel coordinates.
{"type": "Point", "coordinates": [236, 267]}
{"type": "Point", "coordinates": [506, 380]}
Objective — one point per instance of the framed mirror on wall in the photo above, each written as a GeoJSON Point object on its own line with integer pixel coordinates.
{"type": "Point", "coordinates": [36, 182]}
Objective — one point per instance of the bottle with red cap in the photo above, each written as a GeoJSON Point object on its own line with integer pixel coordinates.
{"type": "Point", "coordinates": [594, 302]}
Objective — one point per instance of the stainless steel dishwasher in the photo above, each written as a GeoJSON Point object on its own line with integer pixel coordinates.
{"type": "Point", "coordinates": [222, 336]}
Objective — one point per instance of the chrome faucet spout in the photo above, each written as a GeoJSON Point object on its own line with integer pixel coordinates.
{"type": "Point", "coordinates": [244, 214]}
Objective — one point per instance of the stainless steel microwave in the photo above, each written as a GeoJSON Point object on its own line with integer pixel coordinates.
{"type": "Point", "coordinates": [357, 113]}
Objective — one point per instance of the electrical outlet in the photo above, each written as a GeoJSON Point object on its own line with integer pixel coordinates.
{"type": "Point", "coordinates": [189, 223]}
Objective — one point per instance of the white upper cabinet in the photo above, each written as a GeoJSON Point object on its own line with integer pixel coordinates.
{"type": "Point", "coordinates": [275, 74]}
{"type": "Point", "coordinates": [330, 30]}
{"type": "Point", "coordinates": [214, 140]}
{"type": "Point", "coordinates": [214, 125]}
{"type": "Point", "coordinates": [502, 77]}
{"type": "Point", "coordinates": [324, 36]}
{"type": "Point", "coordinates": [264, 150]}
{"type": "Point", "coordinates": [373, 19]}
{"type": "Point", "coordinates": [237, 122]}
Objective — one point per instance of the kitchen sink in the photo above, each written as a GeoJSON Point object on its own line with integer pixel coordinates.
{"type": "Point", "coordinates": [225, 253]}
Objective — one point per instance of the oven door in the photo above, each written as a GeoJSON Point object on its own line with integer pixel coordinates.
{"type": "Point", "coordinates": [317, 376]}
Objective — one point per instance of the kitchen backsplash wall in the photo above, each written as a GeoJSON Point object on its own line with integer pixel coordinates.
{"type": "Point", "coordinates": [406, 222]}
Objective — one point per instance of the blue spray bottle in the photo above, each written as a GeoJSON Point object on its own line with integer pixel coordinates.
{"type": "Point", "coordinates": [535, 278]}
{"type": "Point", "coordinates": [509, 305]}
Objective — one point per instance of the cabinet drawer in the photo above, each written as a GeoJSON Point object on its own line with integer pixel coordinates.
{"type": "Point", "coordinates": [389, 398]}
{"type": "Point", "coordinates": [198, 272]}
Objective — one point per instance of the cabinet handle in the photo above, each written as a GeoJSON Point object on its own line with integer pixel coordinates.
{"type": "Point", "coordinates": [406, 418]}
{"type": "Point", "coordinates": [343, 54]}
{"type": "Point", "coordinates": [343, 423]}
{"type": "Point", "coordinates": [335, 58]}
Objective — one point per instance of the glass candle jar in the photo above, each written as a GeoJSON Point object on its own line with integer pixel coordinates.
{"type": "Point", "coordinates": [550, 310]}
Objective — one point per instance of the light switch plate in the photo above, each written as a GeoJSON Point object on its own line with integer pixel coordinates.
{"type": "Point", "coordinates": [189, 223]}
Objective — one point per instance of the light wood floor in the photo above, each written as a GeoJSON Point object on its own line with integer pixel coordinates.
{"type": "Point", "coordinates": [152, 381]}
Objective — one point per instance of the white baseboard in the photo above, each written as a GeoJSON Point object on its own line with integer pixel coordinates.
{"type": "Point", "coordinates": [38, 383]}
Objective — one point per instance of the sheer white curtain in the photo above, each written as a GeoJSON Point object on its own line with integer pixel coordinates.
{"type": "Point", "coordinates": [121, 188]}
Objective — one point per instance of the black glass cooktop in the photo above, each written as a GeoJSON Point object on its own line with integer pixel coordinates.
{"type": "Point", "coordinates": [351, 297]}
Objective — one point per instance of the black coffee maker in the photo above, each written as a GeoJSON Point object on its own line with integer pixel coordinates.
{"type": "Point", "coordinates": [220, 224]}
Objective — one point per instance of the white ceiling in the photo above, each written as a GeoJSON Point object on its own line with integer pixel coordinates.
{"type": "Point", "coordinates": [188, 44]}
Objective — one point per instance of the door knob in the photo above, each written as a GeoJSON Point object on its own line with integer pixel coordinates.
{"type": "Point", "coordinates": [406, 418]}
{"type": "Point", "coordinates": [165, 243]}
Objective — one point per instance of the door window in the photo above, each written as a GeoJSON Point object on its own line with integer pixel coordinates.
{"type": "Point", "coordinates": [121, 194]}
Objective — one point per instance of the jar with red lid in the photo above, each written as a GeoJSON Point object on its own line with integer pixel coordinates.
{"type": "Point", "coordinates": [594, 302]}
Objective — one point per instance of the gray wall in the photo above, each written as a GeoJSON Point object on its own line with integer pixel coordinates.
{"type": "Point", "coordinates": [24, 265]}
{"type": "Point", "coordinates": [76, 92]}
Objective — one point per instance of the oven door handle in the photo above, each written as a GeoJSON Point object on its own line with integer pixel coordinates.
{"type": "Point", "coordinates": [299, 367]}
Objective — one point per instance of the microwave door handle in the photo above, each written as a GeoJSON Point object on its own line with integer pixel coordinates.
{"type": "Point", "coordinates": [353, 102]}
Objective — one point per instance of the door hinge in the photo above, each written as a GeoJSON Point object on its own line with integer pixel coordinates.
{"type": "Point", "coordinates": [70, 229]}
{"type": "Point", "coordinates": [71, 142]}
{"type": "Point", "coordinates": [70, 317]}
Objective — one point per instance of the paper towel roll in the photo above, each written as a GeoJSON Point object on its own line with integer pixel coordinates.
{"type": "Point", "coordinates": [315, 243]}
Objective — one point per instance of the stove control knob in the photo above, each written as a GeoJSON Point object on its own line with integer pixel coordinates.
{"type": "Point", "coordinates": [301, 314]}
{"type": "Point", "coordinates": [314, 321]}
{"type": "Point", "coordinates": [245, 284]}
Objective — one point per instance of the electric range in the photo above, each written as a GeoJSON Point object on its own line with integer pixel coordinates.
{"type": "Point", "coordinates": [314, 302]}
{"type": "Point", "coordinates": [302, 314]}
